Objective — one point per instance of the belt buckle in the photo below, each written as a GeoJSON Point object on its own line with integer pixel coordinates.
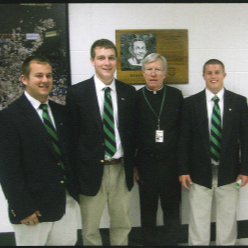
{"type": "Point", "coordinates": [112, 161]}
{"type": "Point", "coordinates": [108, 162]}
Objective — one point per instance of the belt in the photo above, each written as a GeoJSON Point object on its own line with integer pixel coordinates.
{"type": "Point", "coordinates": [112, 162]}
{"type": "Point", "coordinates": [215, 165]}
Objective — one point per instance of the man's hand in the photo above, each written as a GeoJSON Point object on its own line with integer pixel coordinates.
{"type": "Point", "coordinates": [136, 175]}
{"type": "Point", "coordinates": [183, 179]}
{"type": "Point", "coordinates": [243, 178]}
{"type": "Point", "coordinates": [32, 219]}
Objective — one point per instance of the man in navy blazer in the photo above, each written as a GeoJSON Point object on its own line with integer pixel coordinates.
{"type": "Point", "coordinates": [101, 178]}
{"type": "Point", "coordinates": [37, 182]}
{"type": "Point", "coordinates": [209, 177]}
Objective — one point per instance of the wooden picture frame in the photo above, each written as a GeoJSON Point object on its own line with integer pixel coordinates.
{"type": "Point", "coordinates": [171, 43]}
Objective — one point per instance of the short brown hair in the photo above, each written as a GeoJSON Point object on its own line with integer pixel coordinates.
{"type": "Point", "coordinates": [212, 62]}
{"type": "Point", "coordinates": [102, 43]}
{"type": "Point", "coordinates": [38, 59]}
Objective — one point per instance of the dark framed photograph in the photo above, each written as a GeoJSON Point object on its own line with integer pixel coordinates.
{"type": "Point", "coordinates": [133, 45]}
{"type": "Point", "coordinates": [30, 29]}
{"type": "Point", "coordinates": [134, 48]}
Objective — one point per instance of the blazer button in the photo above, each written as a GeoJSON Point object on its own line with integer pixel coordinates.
{"type": "Point", "coordinates": [61, 124]}
{"type": "Point", "coordinates": [103, 144]}
{"type": "Point", "coordinates": [12, 211]}
{"type": "Point", "coordinates": [102, 161]}
{"type": "Point", "coordinates": [58, 164]}
{"type": "Point", "coordinates": [62, 182]}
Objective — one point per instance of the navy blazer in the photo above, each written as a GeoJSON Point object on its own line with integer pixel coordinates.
{"type": "Point", "coordinates": [30, 173]}
{"type": "Point", "coordinates": [86, 122]}
{"type": "Point", "coordinates": [194, 144]}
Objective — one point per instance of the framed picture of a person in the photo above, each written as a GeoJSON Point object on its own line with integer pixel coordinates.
{"type": "Point", "coordinates": [134, 48]}
{"type": "Point", "coordinates": [135, 44]}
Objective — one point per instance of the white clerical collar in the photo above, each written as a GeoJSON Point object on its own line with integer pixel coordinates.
{"type": "Point", "coordinates": [154, 91]}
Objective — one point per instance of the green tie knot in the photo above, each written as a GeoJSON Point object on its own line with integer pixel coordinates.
{"type": "Point", "coordinates": [215, 99]}
{"type": "Point", "coordinates": [43, 106]}
{"type": "Point", "coordinates": [107, 91]}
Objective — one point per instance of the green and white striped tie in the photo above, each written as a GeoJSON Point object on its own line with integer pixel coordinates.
{"type": "Point", "coordinates": [216, 131]}
{"type": "Point", "coordinates": [52, 133]}
{"type": "Point", "coordinates": [108, 124]}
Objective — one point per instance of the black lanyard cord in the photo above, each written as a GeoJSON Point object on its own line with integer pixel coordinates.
{"type": "Point", "coordinates": [150, 106]}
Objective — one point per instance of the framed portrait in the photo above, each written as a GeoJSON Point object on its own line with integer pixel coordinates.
{"type": "Point", "coordinates": [31, 29]}
{"type": "Point", "coordinates": [134, 45]}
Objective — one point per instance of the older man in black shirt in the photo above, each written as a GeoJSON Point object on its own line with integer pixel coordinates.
{"type": "Point", "coordinates": [158, 117]}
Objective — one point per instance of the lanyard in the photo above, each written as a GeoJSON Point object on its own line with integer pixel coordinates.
{"type": "Point", "coordinates": [161, 107]}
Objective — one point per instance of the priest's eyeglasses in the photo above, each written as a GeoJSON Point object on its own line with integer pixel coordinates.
{"type": "Point", "coordinates": [157, 71]}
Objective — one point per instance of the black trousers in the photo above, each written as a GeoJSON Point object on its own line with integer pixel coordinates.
{"type": "Point", "coordinates": [159, 179]}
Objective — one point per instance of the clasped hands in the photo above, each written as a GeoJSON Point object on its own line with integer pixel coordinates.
{"type": "Point", "coordinates": [32, 219]}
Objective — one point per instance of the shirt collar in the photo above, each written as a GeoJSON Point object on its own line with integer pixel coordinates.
{"type": "Point", "coordinates": [154, 91]}
{"type": "Point", "coordinates": [210, 95]}
{"type": "Point", "coordinates": [100, 85]}
{"type": "Point", "coordinates": [35, 103]}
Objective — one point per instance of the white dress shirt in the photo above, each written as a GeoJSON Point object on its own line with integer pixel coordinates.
{"type": "Point", "coordinates": [99, 85]}
{"type": "Point", "coordinates": [210, 105]}
{"type": "Point", "coordinates": [36, 104]}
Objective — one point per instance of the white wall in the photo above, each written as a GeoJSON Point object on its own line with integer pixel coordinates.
{"type": "Point", "coordinates": [214, 31]}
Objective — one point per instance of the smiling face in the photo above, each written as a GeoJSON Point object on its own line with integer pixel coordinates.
{"type": "Point", "coordinates": [105, 63]}
{"type": "Point", "coordinates": [154, 74]}
{"type": "Point", "coordinates": [214, 77]}
{"type": "Point", "coordinates": [39, 83]}
{"type": "Point", "coordinates": [139, 50]}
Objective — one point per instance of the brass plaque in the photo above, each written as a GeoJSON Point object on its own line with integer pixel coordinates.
{"type": "Point", "coordinates": [133, 45]}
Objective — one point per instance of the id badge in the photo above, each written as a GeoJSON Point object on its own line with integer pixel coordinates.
{"type": "Point", "coordinates": [159, 136]}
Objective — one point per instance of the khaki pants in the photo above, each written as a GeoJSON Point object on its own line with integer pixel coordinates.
{"type": "Point", "coordinates": [62, 232]}
{"type": "Point", "coordinates": [114, 192]}
{"type": "Point", "coordinates": [226, 198]}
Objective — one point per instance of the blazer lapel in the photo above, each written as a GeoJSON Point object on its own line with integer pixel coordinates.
{"type": "Point", "coordinates": [121, 101]}
{"type": "Point", "coordinates": [202, 119]}
{"type": "Point", "coordinates": [34, 119]}
{"type": "Point", "coordinates": [229, 107]}
{"type": "Point", "coordinates": [61, 130]}
{"type": "Point", "coordinates": [93, 104]}
{"type": "Point", "coordinates": [58, 118]}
